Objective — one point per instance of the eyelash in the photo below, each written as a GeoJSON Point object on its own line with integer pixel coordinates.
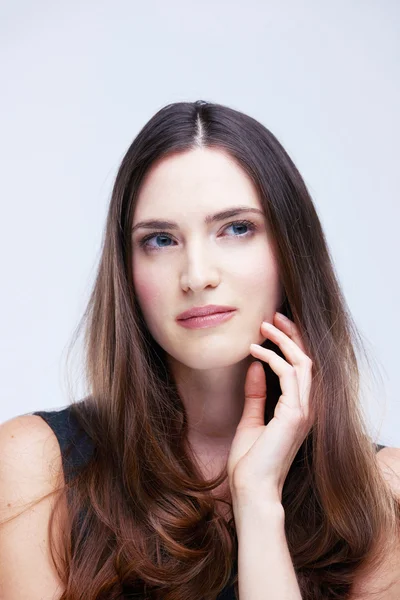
{"type": "Point", "coordinates": [143, 242]}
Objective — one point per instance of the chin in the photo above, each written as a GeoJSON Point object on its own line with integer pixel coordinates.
{"type": "Point", "coordinates": [211, 358]}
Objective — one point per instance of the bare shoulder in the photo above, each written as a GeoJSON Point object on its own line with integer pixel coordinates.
{"type": "Point", "coordinates": [30, 457]}
{"type": "Point", "coordinates": [389, 574]}
{"type": "Point", "coordinates": [30, 470]}
{"type": "Point", "coordinates": [389, 461]}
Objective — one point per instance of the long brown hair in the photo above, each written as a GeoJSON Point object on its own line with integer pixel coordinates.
{"type": "Point", "coordinates": [141, 518]}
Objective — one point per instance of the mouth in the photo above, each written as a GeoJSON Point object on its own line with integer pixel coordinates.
{"type": "Point", "coordinates": [205, 321]}
{"type": "Point", "coordinates": [200, 311]}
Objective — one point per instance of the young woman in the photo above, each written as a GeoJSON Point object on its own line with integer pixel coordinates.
{"type": "Point", "coordinates": [221, 448]}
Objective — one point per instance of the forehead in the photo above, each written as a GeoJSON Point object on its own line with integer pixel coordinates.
{"type": "Point", "coordinates": [202, 180]}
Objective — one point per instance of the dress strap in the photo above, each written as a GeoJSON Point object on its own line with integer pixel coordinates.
{"type": "Point", "coordinates": [75, 445]}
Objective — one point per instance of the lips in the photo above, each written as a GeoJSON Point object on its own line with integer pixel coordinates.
{"type": "Point", "coordinates": [201, 311]}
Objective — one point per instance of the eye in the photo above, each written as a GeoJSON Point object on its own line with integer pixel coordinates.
{"type": "Point", "coordinates": [144, 242]}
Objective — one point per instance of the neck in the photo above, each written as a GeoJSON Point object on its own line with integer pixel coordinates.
{"type": "Point", "coordinates": [213, 400]}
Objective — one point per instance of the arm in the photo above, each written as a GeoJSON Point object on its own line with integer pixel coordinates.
{"type": "Point", "coordinates": [265, 568]}
{"type": "Point", "coordinates": [259, 461]}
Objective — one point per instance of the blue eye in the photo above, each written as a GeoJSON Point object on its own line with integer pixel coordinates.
{"type": "Point", "coordinates": [144, 242]}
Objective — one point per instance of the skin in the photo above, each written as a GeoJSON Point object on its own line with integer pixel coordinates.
{"type": "Point", "coordinates": [220, 382]}
{"type": "Point", "coordinates": [199, 264]}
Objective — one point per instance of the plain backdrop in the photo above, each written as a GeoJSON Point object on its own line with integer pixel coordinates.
{"type": "Point", "coordinates": [78, 81]}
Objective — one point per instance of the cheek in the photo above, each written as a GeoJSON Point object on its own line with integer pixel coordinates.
{"type": "Point", "coordinates": [148, 290]}
{"type": "Point", "coordinates": [262, 288]}
{"type": "Point", "coordinates": [258, 271]}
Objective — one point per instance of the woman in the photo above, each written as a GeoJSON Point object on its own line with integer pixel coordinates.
{"type": "Point", "coordinates": [213, 453]}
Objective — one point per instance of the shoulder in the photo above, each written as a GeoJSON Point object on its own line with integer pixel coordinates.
{"type": "Point", "coordinates": [31, 463]}
{"type": "Point", "coordinates": [389, 462]}
{"type": "Point", "coordinates": [28, 445]}
{"type": "Point", "coordinates": [389, 573]}
{"type": "Point", "coordinates": [30, 474]}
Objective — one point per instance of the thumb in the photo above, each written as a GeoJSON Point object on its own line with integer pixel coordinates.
{"type": "Point", "coordinates": [255, 394]}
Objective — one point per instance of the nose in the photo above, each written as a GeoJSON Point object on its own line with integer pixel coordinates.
{"type": "Point", "coordinates": [200, 269]}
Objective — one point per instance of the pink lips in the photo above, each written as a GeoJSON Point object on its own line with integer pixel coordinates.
{"type": "Point", "coordinates": [202, 322]}
{"type": "Point", "coordinates": [201, 311]}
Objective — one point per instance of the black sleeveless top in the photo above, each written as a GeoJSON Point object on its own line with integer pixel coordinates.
{"type": "Point", "coordinates": [76, 448]}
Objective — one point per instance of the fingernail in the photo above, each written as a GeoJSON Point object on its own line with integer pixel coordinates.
{"type": "Point", "coordinates": [282, 317]}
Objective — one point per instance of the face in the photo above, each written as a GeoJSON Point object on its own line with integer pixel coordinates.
{"type": "Point", "coordinates": [224, 262]}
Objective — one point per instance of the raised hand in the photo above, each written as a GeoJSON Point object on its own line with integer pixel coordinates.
{"type": "Point", "coordinates": [261, 455]}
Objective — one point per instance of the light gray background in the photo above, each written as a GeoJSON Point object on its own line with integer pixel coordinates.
{"type": "Point", "coordinates": [79, 79]}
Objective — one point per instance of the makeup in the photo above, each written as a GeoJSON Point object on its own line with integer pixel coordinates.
{"type": "Point", "coordinates": [206, 320]}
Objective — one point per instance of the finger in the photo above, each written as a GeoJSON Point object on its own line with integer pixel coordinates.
{"type": "Point", "coordinates": [286, 373]}
{"type": "Point", "coordinates": [255, 394]}
{"type": "Point", "coordinates": [290, 328]}
{"type": "Point", "coordinates": [293, 353]}
{"type": "Point", "coordinates": [305, 377]}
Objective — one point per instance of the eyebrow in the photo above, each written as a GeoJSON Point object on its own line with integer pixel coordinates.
{"type": "Point", "coordinates": [219, 216]}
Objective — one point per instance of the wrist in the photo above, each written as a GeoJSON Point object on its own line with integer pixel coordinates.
{"type": "Point", "coordinates": [255, 496]}
{"type": "Point", "coordinates": [255, 506]}
{"type": "Point", "coordinates": [259, 521]}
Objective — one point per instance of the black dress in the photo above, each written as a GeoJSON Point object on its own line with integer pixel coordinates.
{"type": "Point", "coordinates": [76, 448]}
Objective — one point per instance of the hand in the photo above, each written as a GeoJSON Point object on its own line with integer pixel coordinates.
{"type": "Point", "coordinates": [261, 455]}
